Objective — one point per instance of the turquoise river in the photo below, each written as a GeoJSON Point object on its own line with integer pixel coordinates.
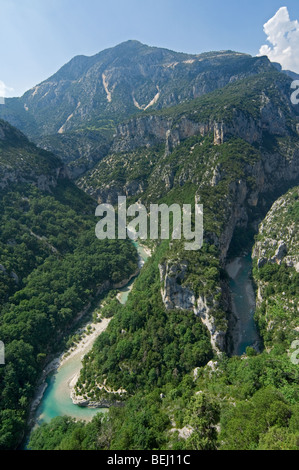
{"type": "Point", "coordinates": [56, 399]}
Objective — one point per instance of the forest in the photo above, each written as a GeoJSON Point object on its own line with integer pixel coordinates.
{"type": "Point", "coordinates": [52, 266]}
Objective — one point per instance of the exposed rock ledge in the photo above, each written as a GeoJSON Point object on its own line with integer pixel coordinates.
{"type": "Point", "coordinates": [123, 283]}
{"type": "Point", "coordinates": [88, 403]}
{"type": "Point", "coordinates": [175, 296]}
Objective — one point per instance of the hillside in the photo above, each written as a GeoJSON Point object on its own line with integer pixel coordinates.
{"type": "Point", "coordinates": [257, 111]}
{"type": "Point", "coordinates": [237, 403]}
{"type": "Point", "coordinates": [276, 271]}
{"type": "Point", "coordinates": [20, 160]}
{"type": "Point", "coordinates": [51, 267]}
{"type": "Point", "coordinates": [235, 150]}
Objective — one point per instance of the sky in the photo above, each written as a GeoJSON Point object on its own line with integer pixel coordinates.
{"type": "Point", "coordinates": [37, 37]}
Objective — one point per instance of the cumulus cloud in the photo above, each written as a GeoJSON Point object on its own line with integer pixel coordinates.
{"type": "Point", "coordinates": [4, 90]}
{"type": "Point", "coordinates": [283, 37]}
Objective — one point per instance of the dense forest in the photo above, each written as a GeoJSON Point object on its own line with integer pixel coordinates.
{"type": "Point", "coordinates": [253, 401]}
{"type": "Point", "coordinates": [52, 265]}
{"type": "Point", "coordinates": [179, 394]}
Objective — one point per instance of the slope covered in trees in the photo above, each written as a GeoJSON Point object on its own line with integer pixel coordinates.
{"type": "Point", "coordinates": [180, 396]}
{"type": "Point", "coordinates": [52, 265]}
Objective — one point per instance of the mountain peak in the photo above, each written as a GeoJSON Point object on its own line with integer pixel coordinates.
{"type": "Point", "coordinates": [131, 42]}
{"type": "Point", "coordinates": [96, 93]}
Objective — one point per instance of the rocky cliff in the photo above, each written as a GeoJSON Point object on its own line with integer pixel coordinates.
{"type": "Point", "coordinates": [176, 296]}
{"type": "Point", "coordinates": [235, 151]}
{"type": "Point", "coordinates": [277, 270]}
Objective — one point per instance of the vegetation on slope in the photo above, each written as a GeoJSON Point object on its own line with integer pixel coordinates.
{"type": "Point", "coordinates": [246, 403]}
{"type": "Point", "coordinates": [51, 266]}
{"type": "Point", "coordinates": [276, 271]}
{"type": "Point", "coordinates": [174, 397]}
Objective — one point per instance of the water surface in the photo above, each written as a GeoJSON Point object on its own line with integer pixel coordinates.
{"type": "Point", "coordinates": [243, 304]}
{"type": "Point", "coordinates": [56, 400]}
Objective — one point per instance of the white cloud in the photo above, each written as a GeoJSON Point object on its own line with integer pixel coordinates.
{"type": "Point", "coordinates": [283, 36]}
{"type": "Point", "coordinates": [4, 90]}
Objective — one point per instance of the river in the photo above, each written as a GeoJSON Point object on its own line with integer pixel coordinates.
{"type": "Point", "coordinates": [56, 400]}
{"type": "Point", "coordinates": [243, 304]}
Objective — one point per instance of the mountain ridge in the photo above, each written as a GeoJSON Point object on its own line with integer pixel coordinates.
{"type": "Point", "coordinates": [92, 95]}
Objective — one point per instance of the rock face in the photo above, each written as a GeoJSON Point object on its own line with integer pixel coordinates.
{"type": "Point", "coordinates": [151, 130]}
{"type": "Point", "coordinates": [278, 234]}
{"type": "Point", "coordinates": [176, 296]}
{"type": "Point", "coordinates": [268, 173]}
{"type": "Point", "coordinates": [277, 249]}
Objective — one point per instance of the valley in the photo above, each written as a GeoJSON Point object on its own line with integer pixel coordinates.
{"type": "Point", "coordinates": [196, 346]}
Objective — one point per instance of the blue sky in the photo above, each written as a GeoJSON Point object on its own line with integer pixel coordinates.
{"type": "Point", "coordinates": [38, 36]}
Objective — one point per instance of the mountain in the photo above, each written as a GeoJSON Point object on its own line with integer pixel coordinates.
{"type": "Point", "coordinates": [236, 150]}
{"type": "Point", "coordinates": [256, 110]}
{"type": "Point", "coordinates": [216, 128]}
{"type": "Point", "coordinates": [74, 112]}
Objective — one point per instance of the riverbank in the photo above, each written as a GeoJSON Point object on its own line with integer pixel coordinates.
{"type": "Point", "coordinates": [76, 352]}
{"type": "Point", "coordinates": [53, 396]}
{"type": "Point", "coordinates": [85, 344]}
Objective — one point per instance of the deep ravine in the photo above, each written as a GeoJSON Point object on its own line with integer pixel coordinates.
{"type": "Point", "coordinates": [56, 400]}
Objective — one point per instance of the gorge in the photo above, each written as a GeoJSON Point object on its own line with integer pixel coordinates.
{"type": "Point", "coordinates": [176, 346]}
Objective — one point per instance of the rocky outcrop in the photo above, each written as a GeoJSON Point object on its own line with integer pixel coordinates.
{"type": "Point", "coordinates": [46, 182]}
{"type": "Point", "coordinates": [270, 173]}
{"type": "Point", "coordinates": [177, 296]}
{"type": "Point", "coordinates": [85, 401]}
{"type": "Point", "coordinates": [104, 403]}
{"type": "Point", "coordinates": [146, 131]}
{"type": "Point", "coordinates": [90, 403]}
{"type": "Point", "coordinates": [277, 244]}
{"type": "Point", "coordinates": [279, 257]}
{"type": "Point", "coordinates": [278, 238]}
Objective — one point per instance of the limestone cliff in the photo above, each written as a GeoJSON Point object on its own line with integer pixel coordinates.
{"type": "Point", "coordinates": [277, 270]}
{"type": "Point", "coordinates": [177, 296]}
